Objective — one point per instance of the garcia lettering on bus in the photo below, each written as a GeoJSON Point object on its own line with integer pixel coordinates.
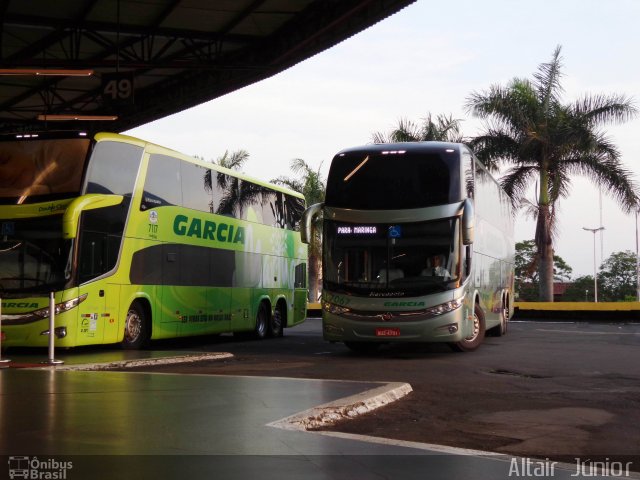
{"type": "Point", "coordinates": [19, 305]}
{"type": "Point", "coordinates": [404, 304]}
{"type": "Point", "coordinates": [208, 230]}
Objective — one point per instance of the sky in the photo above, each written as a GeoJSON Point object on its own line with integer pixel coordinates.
{"type": "Point", "coordinates": [428, 58]}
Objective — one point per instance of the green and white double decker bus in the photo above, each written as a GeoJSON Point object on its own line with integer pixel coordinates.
{"type": "Point", "coordinates": [417, 247]}
{"type": "Point", "coordinates": [139, 242]}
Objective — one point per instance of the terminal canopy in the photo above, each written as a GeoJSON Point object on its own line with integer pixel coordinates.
{"type": "Point", "coordinates": [116, 64]}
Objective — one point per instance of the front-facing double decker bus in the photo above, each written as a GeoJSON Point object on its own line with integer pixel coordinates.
{"type": "Point", "coordinates": [139, 242]}
{"type": "Point", "coordinates": [417, 247]}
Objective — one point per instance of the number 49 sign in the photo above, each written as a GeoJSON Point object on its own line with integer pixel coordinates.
{"type": "Point", "coordinates": [117, 88]}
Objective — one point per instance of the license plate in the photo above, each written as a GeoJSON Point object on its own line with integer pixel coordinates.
{"type": "Point", "coordinates": [387, 332]}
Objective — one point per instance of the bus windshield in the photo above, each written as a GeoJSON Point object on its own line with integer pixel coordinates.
{"type": "Point", "coordinates": [391, 260]}
{"type": "Point", "coordinates": [34, 258]}
{"type": "Point", "coordinates": [379, 180]}
{"type": "Point", "coordinates": [41, 170]}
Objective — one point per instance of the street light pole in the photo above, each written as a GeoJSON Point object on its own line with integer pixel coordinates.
{"type": "Point", "coordinates": [637, 261]}
{"type": "Point", "coordinates": [595, 276]}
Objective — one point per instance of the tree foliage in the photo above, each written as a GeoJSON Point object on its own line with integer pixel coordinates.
{"type": "Point", "coordinates": [617, 279]}
{"type": "Point", "coordinates": [546, 142]}
{"type": "Point", "coordinates": [443, 129]}
{"type": "Point", "coordinates": [526, 271]}
{"type": "Point", "coordinates": [580, 290]}
{"type": "Point", "coordinates": [312, 185]}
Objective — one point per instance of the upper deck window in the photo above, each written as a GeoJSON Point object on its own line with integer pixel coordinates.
{"type": "Point", "coordinates": [39, 170]}
{"type": "Point", "coordinates": [113, 168]}
{"type": "Point", "coordinates": [381, 180]}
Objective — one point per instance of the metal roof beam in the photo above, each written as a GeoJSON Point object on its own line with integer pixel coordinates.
{"type": "Point", "coordinates": [113, 28]}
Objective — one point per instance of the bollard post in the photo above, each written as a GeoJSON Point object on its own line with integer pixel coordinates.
{"type": "Point", "coordinates": [52, 324]}
{"type": "Point", "coordinates": [4, 362]}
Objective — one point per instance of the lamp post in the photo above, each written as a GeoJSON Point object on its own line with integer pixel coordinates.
{"type": "Point", "coordinates": [637, 261]}
{"type": "Point", "coordinates": [595, 276]}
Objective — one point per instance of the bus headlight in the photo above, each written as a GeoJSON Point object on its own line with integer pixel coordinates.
{"type": "Point", "coordinates": [333, 308]}
{"type": "Point", "coordinates": [60, 307]}
{"type": "Point", "coordinates": [445, 307]}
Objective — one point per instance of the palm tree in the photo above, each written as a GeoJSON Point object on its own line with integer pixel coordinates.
{"type": "Point", "coordinates": [233, 161]}
{"type": "Point", "coordinates": [310, 183]}
{"type": "Point", "coordinates": [546, 141]}
{"type": "Point", "coordinates": [444, 129]}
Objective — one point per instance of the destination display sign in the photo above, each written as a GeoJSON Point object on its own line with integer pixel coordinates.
{"type": "Point", "coordinates": [356, 230]}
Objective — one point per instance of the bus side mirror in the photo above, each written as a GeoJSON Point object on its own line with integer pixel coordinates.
{"type": "Point", "coordinates": [91, 201]}
{"type": "Point", "coordinates": [468, 222]}
{"type": "Point", "coordinates": [307, 222]}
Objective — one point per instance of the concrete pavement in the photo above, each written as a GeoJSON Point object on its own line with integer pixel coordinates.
{"type": "Point", "coordinates": [102, 424]}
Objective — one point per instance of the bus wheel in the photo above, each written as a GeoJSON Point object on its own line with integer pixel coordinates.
{"type": "Point", "coordinates": [504, 319]}
{"type": "Point", "coordinates": [501, 329]}
{"type": "Point", "coordinates": [136, 328]}
{"type": "Point", "coordinates": [474, 340]}
{"type": "Point", "coordinates": [262, 322]}
{"type": "Point", "coordinates": [363, 347]}
{"type": "Point", "coordinates": [276, 322]}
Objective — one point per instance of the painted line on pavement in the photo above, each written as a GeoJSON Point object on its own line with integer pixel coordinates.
{"type": "Point", "coordinates": [447, 450]}
{"type": "Point", "coordinates": [585, 333]}
{"type": "Point", "coordinates": [352, 406]}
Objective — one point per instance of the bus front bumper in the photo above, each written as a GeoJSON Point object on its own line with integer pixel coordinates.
{"type": "Point", "coordinates": [34, 334]}
{"type": "Point", "coordinates": [452, 326]}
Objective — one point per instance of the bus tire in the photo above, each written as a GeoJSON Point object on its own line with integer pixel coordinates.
{"type": "Point", "coordinates": [501, 329]}
{"type": "Point", "coordinates": [504, 319]}
{"type": "Point", "coordinates": [137, 331]}
{"type": "Point", "coordinates": [262, 322]}
{"type": "Point", "coordinates": [472, 342]}
{"type": "Point", "coordinates": [276, 323]}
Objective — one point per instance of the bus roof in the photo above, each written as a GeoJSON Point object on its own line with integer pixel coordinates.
{"type": "Point", "coordinates": [155, 148]}
{"type": "Point", "coordinates": [426, 147]}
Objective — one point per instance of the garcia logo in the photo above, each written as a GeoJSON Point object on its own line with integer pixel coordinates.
{"type": "Point", "coordinates": [33, 468]}
{"type": "Point", "coordinates": [404, 304]}
{"type": "Point", "coordinates": [19, 305]}
{"type": "Point", "coordinates": [207, 230]}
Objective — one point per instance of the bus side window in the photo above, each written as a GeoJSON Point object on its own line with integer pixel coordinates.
{"type": "Point", "coordinates": [294, 210]}
{"type": "Point", "coordinates": [226, 190]}
{"type": "Point", "coordinates": [468, 173]}
{"type": "Point", "coordinates": [160, 186]}
{"type": "Point", "coordinates": [196, 187]}
{"type": "Point", "coordinates": [301, 276]}
{"type": "Point", "coordinates": [266, 207]}
{"type": "Point", "coordinates": [113, 168]}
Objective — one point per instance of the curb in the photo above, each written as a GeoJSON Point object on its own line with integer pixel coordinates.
{"type": "Point", "coordinates": [344, 408]}
{"type": "Point", "coordinates": [140, 362]}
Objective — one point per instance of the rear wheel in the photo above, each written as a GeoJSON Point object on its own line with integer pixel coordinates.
{"type": "Point", "coordinates": [276, 323]}
{"type": "Point", "coordinates": [473, 341]}
{"type": "Point", "coordinates": [262, 322]}
{"type": "Point", "coordinates": [504, 321]}
{"type": "Point", "coordinates": [137, 330]}
{"type": "Point", "coordinates": [501, 329]}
